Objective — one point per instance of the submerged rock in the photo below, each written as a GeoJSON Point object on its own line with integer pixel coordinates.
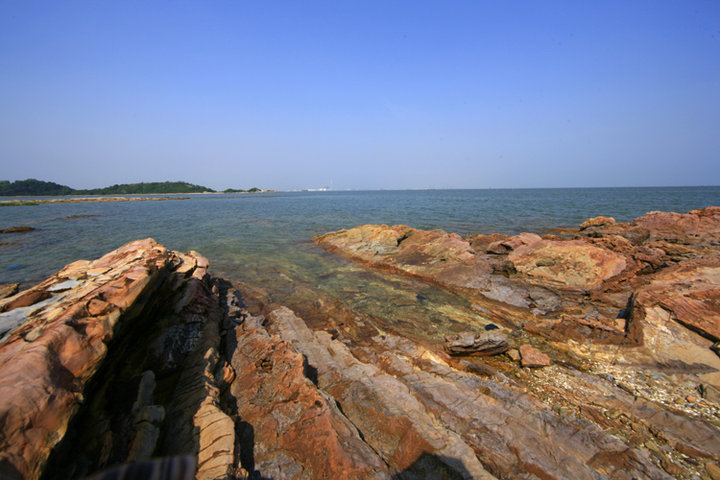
{"type": "Point", "coordinates": [17, 229]}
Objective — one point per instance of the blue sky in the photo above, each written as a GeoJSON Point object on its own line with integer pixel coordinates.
{"type": "Point", "coordinates": [361, 94]}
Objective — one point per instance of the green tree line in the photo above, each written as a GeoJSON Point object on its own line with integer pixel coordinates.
{"type": "Point", "coordinates": [33, 187]}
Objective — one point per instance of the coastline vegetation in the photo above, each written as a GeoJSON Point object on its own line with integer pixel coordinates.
{"type": "Point", "coordinates": [237, 190]}
{"type": "Point", "coordinates": [33, 187]}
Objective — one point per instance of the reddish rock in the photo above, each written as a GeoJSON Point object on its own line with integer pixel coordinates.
{"type": "Point", "coordinates": [63, 330]}
{"type": "Point", "coordinates": [298, 431]}
{"type": "Point", "coordinates": [597, 222]}
{"type": "Point", "coordinates": [46, 361]}
{"type": "Point", "coordinates": [391, 419]}
{"type": "Point", "coordinates": [676, 316]}
{"type": "Point", "coordinates": [532, 357]}
{"type": "Point", "coordinates": [249, 388]}
{"type": "Point", "coordinates": [696, 228]}
{"type": "Point", "coordinates": [508, 244]}
{"type": "Point", "coordinates": [573, 264]}
{"type": "Point", "coordinates": [480, 242]}
{"type": "Point", "coordinates": [691, 292]}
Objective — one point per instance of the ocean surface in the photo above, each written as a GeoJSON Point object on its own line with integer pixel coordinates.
{"type": "Point", "coordinates": [265, 239]}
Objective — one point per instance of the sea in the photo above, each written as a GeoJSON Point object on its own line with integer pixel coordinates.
{"type": "Point", "coordinates": [265, 239]}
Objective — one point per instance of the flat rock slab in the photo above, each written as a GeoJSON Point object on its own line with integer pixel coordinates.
{"type": "Point", "coordinates": [569, 264]}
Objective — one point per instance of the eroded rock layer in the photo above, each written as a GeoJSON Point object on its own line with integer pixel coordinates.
{"type": "Point", "coordinates": [597, 360]}
{"type": "Point", "coordinates": [627, 314]}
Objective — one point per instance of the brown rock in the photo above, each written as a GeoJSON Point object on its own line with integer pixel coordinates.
{"type": "Point", "coordinates": [532, 357]}
{"type": "Point", "coordinates": [677, 316]}
{"type": "Point", "coordinates": [513, 354]}
{"type": "Point", "coordinates": [597, 222]}
{"type": "Point", "coordinates": [345, 401]}
{"type": "Point", "coordinates": [710, 393]}
{"type": "Point", "coordinates": [691, 291]}
{"type": "Point", "coordinates": [96, 306]}
{"type": "Point", "coordinates": [483, 343]}
{"type": "Point", "coordinates": [393, 422]}
{"type": "Point", "coordinates": [522, 240]}
{"type": "Point", "coordinates": [713, 470]}
{"type": "Point", "coordinates": [671, 468]}
{"type": "Point", "coordinates": [17, 229]}
{"type": "Point", "coordinates": [456, 396]}
{"type": "Point", "coordinates": [435, 254]}
{"type": "Point", "coordinates": [480, 242]}
{"type": "Point", "coordinates": [508, 244]}
{"type": "Point", "coordinates": [200, 425]}
{"type": "Point", "coordinates": [543, 276]}
{"type": "Point", "coordinates": [8, 290]}
{"type": "Point", "coordinates": [498, 248]}
{"type": "Point", "coordinates": [696, 228]}
{"type": "Point", "coordinates": [298, 430]}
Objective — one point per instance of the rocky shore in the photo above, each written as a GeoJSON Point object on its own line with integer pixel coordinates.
{"type": "Point", "coordinates": [593, 354]}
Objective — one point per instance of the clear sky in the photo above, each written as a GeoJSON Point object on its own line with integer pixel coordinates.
{"type": "Point", "coordinates": [361, 94]}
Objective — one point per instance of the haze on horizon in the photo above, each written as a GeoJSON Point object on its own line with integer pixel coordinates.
{"type": "Point", "coordinates": [361, 95]}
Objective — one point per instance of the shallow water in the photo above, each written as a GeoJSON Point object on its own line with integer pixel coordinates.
{"type": "Point", "coordinates": [265, 239]}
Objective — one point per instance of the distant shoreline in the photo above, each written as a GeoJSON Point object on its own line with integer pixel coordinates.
{"type": "Point", "coordinates": [12, 203]}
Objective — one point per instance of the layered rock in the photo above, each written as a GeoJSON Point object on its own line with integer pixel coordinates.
{"type": "Point", "coordinates": [143, 354]}
{"type": "Point", "coordinates": [90, 371]}
{"type": "Point", "coordinates": [635, 306]}
{"type": "Point", "coordinates": [298, 430]}
{"type": "Point", "coordinates": [60, 336]}
{"type": "Point", "coordinates": [580, 287]}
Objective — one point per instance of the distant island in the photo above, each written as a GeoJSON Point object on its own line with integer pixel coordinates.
{"type": "Point", "coordinates": [235, 190]}
{"type": "Point", "coordinates": [33, 187]}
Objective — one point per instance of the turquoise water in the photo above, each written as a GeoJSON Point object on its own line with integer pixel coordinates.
{"type": "Point", "coordinates": [234, 231]}
{"type": "Point", "coordinates": [265, 239]}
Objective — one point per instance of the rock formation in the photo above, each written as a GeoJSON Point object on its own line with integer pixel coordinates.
{"type": "Point", "coordinates": [612, 370]}
{"type": "Point", "coordinates": [631, 308]}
